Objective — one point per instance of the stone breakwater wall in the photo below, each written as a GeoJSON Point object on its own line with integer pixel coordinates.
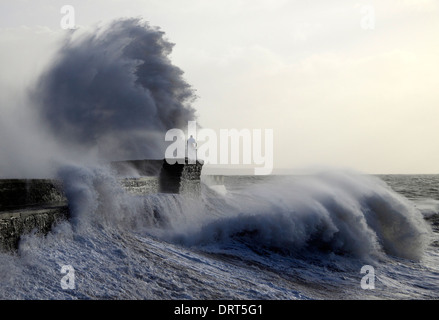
{"type": "Point", "coordinates": [23, 193]}
{"type": "Point", "coordinates": [159, 176]}
{"type": "Point", "coordinates": [28, 205]}
{"type": "Point", "coordinates": [15, 223]}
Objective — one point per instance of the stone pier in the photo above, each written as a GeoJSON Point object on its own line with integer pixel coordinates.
{"type": "Point", "coordinates": [36, 204]}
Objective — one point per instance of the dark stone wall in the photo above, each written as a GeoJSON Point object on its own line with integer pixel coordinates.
{"type": "Point", "coordinates": [16, 223]}
{"type": "Point", "coordinates": [143, 185]}
{"type": "Point", "coordinates": [27, 205]}
{"type": "Point", "coordinates": [170, 177]}
{"type": "Point", "coordinates": [22, 193]}
{"type": "Point", "coordinates": [173, 177]}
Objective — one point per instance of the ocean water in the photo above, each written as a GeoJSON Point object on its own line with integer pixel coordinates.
{"type": "Point", "coordinates": [242, 237]}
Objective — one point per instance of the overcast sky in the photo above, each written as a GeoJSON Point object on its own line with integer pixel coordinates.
{"type": "Point", "coordinates": [337, 88]}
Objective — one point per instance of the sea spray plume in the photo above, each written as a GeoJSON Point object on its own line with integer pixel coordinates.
{"type": "Point", "coordinates": [335, 211]}
{"type": "Point", "coordinates": [115, 90]}
{"type": "Point", "coordinates": [96, 197]}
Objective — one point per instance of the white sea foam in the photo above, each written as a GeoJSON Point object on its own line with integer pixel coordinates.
{"type": "Point", "coordinates": [343, 212]}
{"type": "Point", "coordinates": [129, 246]}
